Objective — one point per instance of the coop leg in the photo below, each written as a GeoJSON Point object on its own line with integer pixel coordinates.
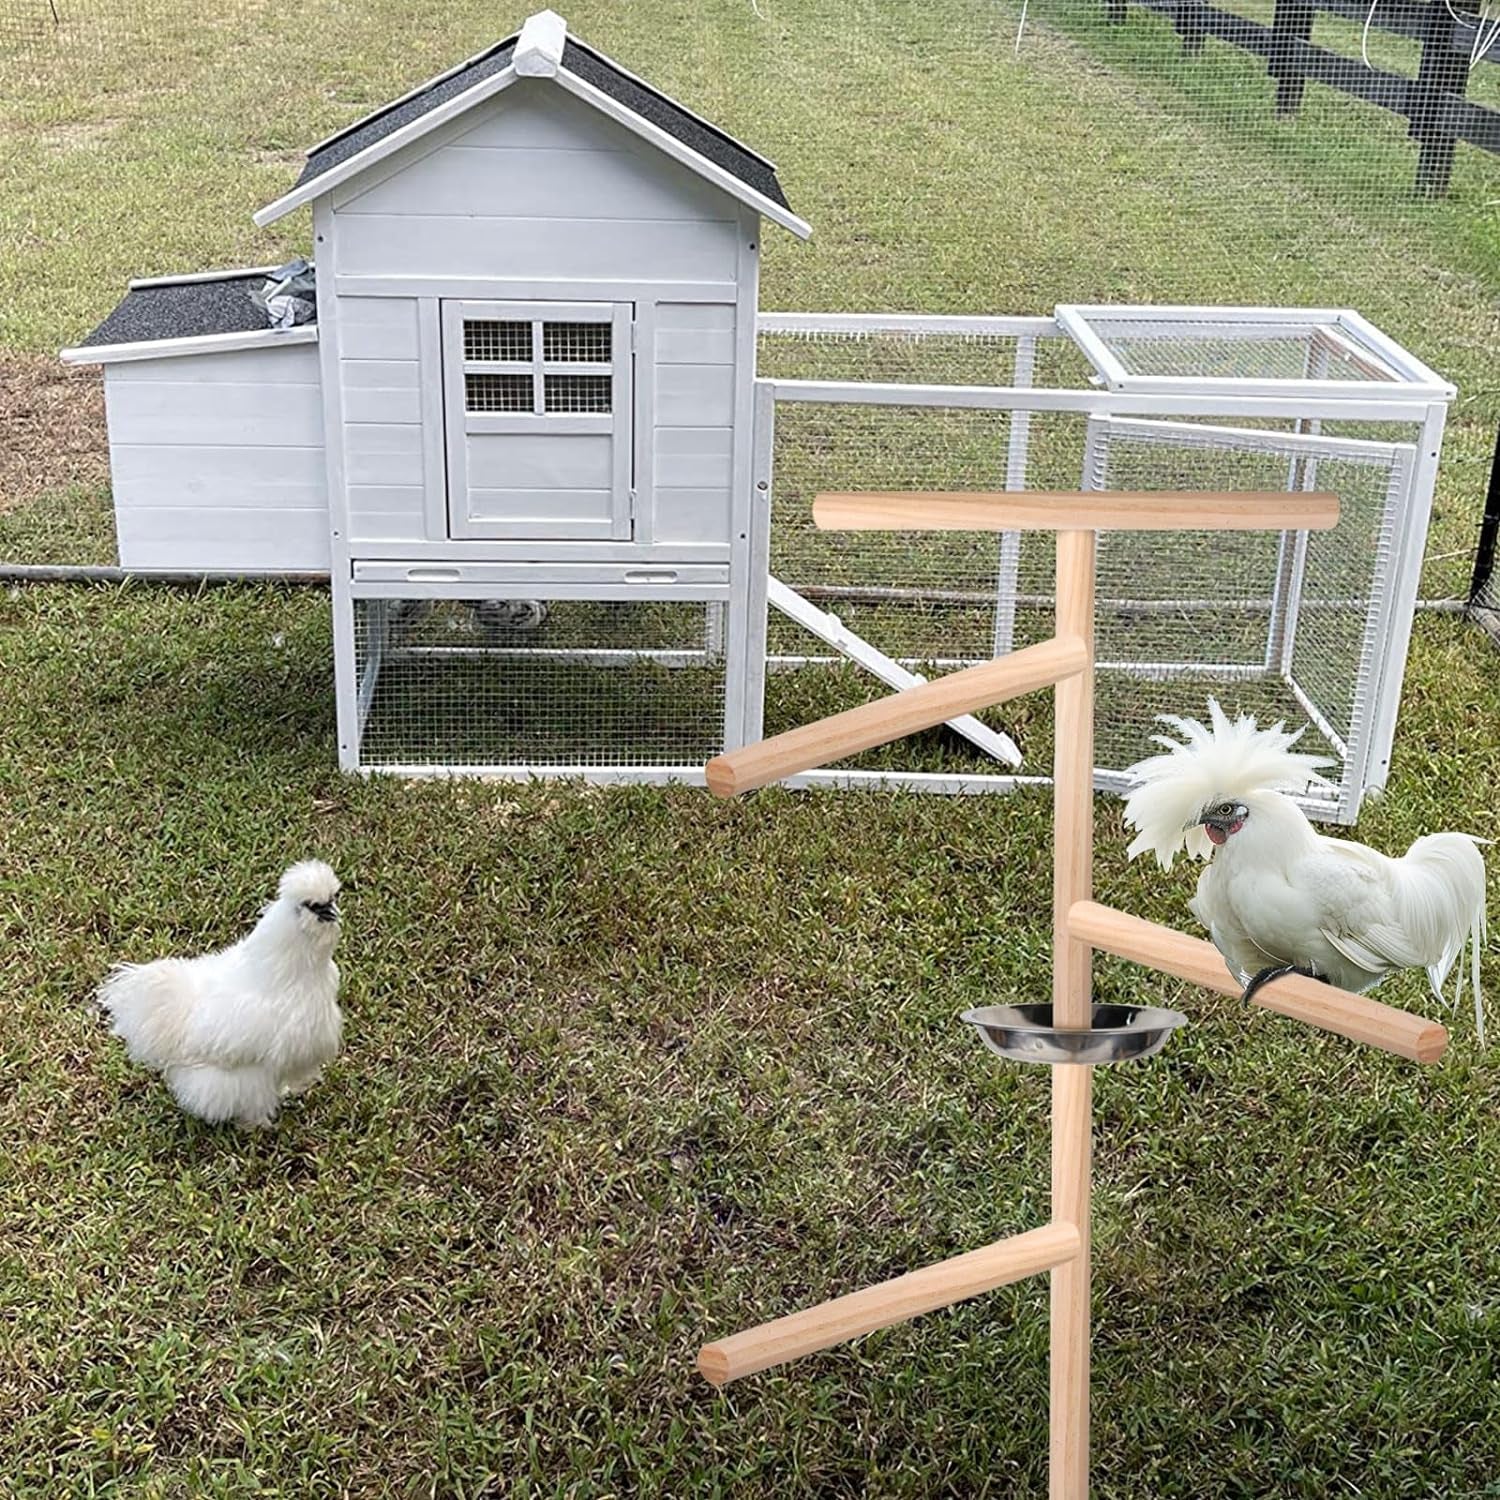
{"type": "Point", "coordinates": [345, 688]}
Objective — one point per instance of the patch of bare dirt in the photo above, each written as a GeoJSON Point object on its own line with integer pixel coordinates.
{"type": "Point", "coordinates": [51, 427]}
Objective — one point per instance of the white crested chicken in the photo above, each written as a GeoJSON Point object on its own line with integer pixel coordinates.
{"type": "Point", "coordinates": [235, 1032]}
{"type": "Point", "coordinates": [1279, 897]}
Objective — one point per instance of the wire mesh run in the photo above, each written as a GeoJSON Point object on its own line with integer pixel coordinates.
{"type": "Point", "coordinates": [525, 686]}
{"type": "Point", "coordinates": [1282, 626]}
{"type": "Point", "coordinates": [1220, 349]}
{"type": "Point", "coordinates": [486, 339]}
{"type": "Point", "coordinates": [1288, 625]}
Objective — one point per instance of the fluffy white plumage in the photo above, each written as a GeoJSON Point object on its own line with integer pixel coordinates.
{"type": "Point", "coordinates": [1276, 892]}
{"type": "Point", "coordinates": [235, 1032]}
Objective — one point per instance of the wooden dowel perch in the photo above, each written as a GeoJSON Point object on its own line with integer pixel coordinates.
{"type": "Point", "coordinates": [1323, 1005]}
{"type": "Point", "coordinates": [1072, 1005]}
{"type": "Point", "coordinates": [898, 714]}
{"type": "Point", "coordinates": [1068, 510]}
{"type": "Point", "coordinates": [890, 1302]}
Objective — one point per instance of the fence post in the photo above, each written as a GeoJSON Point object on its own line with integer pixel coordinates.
{"type": "Point", "coordinates": [1444, 69]}
{"type": "Point", "coordinates": [1189, 26]}
{"type": "Point", "coordinates": [1483, 590]}
{"type": "Point", "coordinates": [1291, 23]}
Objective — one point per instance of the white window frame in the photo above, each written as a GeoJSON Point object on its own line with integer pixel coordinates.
{"type": "Point", "coordinates": [460, 423]}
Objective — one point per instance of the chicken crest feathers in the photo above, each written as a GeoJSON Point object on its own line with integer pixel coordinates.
{"type": "Point", "coordinates": [311, 880]}
{"type": "Point", "coordinates": [1212, 763]}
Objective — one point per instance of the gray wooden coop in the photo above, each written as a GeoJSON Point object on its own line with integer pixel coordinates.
{"type": "Point", "coordinates": [567, 518]}
{"type": "Point", "coordinates": [531, 372]}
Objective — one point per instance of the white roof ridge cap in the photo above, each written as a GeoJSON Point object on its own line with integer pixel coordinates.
{"type": "Point", "coordinates": [539, 48]}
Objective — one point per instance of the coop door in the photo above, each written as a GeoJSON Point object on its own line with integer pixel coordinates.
{"type": "Point", "coordinates": [1291, 625]}
{"type": "Point", "coordinates": [537, 406]}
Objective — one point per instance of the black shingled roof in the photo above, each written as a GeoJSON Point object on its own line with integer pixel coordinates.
{"type": "Point", "coordinates": [386, 121]}
{"type": "Point", "coordinates": [583, 62]}
{"type": "Point", "coordinates": [184, 309]}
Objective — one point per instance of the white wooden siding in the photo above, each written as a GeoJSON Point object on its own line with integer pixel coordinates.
{"type": "Point", "coordinates": [693, 440]}
{"type": "Point", "coordinates": [378, 328]}
{"type": "Point", "coordinates": [536, 185]}
{"type": "Point", "coordinates": [381, 372]}
{"type": "Point", "coordinates": [226, 539]}
{"type": "Point", "coordinates": [217, 461]}
{"type": "Point", "coordinates": [426, 245]}
{"type": "Point", "coordinates": [385, 453]}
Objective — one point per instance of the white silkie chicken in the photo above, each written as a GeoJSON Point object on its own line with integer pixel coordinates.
{"type": "Point", "coordinates": [235, 1032]}
{"type": "Point", "coordinates": [1277, 896]}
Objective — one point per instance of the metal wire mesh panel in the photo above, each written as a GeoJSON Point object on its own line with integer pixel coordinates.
{"type": "Point", "coordinates": [532, 685]}
{"type": "Point", "coordinates": [1330, 654]}
{"type": "Point", "coordinates": [1218, 349]}
{"type": "Point", "coordinates": [1282, 626]}
{"type": "Point", "coordinates": [1182, 614]}
{"type": "Point", "coordinates": [944, 601]}
{"type": "Point", "coordinates": [888, 356]}
{"type": "Point", "coordinates": [577, 393]}
{"type": "Point", "coordinates": [576, 343]}
{"type": "Point", "coordinates": [487, 392]}
{"type": "Point", "coordinates": [486, 338]}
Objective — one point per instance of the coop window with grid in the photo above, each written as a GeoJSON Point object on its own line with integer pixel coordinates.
{"type": "Point", "coordinates": [540, 366]}
{"type": "Point", "coordinates": [539, 420]}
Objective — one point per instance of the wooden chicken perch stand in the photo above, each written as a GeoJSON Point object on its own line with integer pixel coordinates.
{"type": "Point", "coordinates": [1080, 925]}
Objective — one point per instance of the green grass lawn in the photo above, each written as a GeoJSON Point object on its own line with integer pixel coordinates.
{"type": "Point", "coordinates": [626, 1070]}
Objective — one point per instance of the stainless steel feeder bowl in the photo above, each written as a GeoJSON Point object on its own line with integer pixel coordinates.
{"type": "Point", "coordinates": [1117, 1033]}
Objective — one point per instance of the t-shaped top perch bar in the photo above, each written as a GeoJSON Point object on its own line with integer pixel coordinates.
{"type": "Point", "coordinates": [1079, 923]}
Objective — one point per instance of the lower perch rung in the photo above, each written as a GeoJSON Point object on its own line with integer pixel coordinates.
{"type": "Point", "coordinates": [897, 714]}
{"type": "Point", "coordinates": [890, 1302]}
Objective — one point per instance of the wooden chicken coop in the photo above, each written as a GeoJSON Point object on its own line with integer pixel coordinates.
{"type": "Point", "coordinates": [559, 466]}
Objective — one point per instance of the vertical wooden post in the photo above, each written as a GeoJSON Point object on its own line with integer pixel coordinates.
{"type": "Point", "coordinates": [1072, 1002]}
{"type": "Point", "coordinates": [1443, 70]}
{"type": "Point", "coordinates": [1291, 23]}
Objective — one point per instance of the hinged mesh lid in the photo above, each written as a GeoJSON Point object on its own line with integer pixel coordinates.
{"type": "Point", "coordinates": [1257, 350]}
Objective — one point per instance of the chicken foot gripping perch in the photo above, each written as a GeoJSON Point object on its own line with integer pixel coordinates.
{"type": "Point", "coordinates": [1277, 971]}
{"type": "Point", "coordinates": [1279, 897]}
{"type": "Point", "coordinates": [233, 1033]}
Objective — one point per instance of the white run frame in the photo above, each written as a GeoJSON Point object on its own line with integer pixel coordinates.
{"type": "Point", "coordinates": [1412, 397]}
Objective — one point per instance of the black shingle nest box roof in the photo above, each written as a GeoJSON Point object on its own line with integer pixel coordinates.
{"type": "Point", "coordinates": [180, 309]}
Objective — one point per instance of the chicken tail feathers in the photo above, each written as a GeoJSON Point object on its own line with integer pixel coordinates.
{"type": "Point", "coordinates": [1443, 909]}
{"type": "Point", "coordinates": [148, 1006]}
